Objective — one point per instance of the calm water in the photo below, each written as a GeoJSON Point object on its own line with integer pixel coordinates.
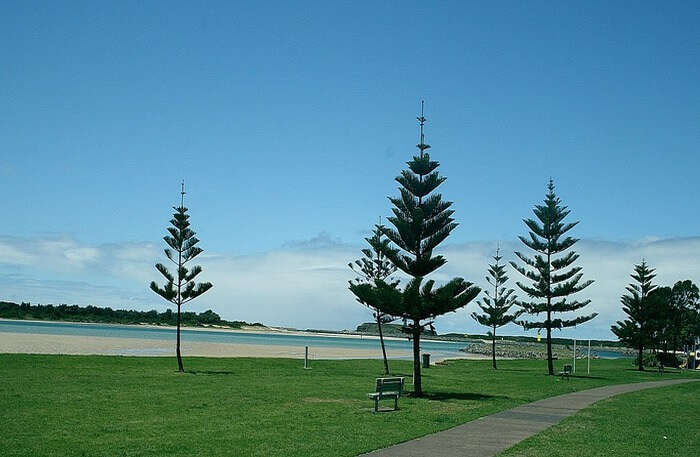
{"type": "Point", "coordinates": [437, 348]}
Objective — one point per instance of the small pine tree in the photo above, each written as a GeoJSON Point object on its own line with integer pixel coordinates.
{"type": "Point", "coordinates": [496, 306]}
{"type": "Point", "coordinates": [374, 266]}
{"type": "Point", "coordinates": [551, 282]}
{"type": "Point", "coordinates": [182, 249]}
{"type": "Point", "coordinates": [421, 222]}
{"type": "Point", "coordinates": [633, 331]}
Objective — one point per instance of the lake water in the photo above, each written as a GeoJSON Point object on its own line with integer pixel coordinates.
{"type": "Point", "coordinates": [438, 349]}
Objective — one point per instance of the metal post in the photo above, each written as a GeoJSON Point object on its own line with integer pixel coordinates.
{"type": "Point", "coordinates": [306, 357]}
{"type": "Point", "coordinates": [589, 356]}
{"type": "Point", "coordinates": [574, 355]}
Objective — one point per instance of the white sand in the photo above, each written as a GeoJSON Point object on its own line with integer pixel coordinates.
{"type": "Point", "coordinates": [33, 343]}
{"type": "Point", "coordinates": [30, 343]}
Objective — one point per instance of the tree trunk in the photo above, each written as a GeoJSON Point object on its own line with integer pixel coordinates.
{"type": "Point", "coordinates": [550, 363]}
{"type": "Point", "coordinates": [417, 388]}
{"type": "Point", "coordinates": [180, 368]}
{"type": "Point", "coordinates": [640, 359]}
{"type": "Point", "coordinates": [493, 347]}
{"type": "Point", "coordinates": [381, 341]}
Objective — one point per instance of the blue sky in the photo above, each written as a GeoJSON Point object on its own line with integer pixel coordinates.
{"type": "Point", "coordinates": [289, 122]}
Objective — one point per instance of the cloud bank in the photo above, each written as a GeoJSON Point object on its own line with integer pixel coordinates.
{"type": "Point", "coordinates": [303, 284]}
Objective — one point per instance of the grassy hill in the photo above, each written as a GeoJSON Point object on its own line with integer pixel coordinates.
{"type": "Point", "coordinates": [370, 328]}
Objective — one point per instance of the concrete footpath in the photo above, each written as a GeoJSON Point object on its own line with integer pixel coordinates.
{"type": "Point", "coordinates": [489, 435]}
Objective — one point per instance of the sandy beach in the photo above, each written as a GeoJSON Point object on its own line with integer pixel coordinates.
{"type": "Point", "coordinates": [33, 343]}
{"type": "Point", "coordinates": [70, 344]}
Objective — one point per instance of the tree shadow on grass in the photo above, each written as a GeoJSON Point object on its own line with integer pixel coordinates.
{"type": "Point", "coordinates": [573, 376]}
{"type": "Point", "coordinates": [442, 396]}
{"type": "Point", "coordinates": [397, 375]}
{"type": "Point", "coordinates": [669, 371]}
{"type": "Point", "coordinates": [210, 373]}
{"type": "Point", "coordinates": [655, 371]}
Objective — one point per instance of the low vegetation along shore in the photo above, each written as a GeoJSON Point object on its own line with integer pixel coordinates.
{"type": "Point", "coordinates": [107, 406]}
{"type": "Point", "coordinates": [101, 315]}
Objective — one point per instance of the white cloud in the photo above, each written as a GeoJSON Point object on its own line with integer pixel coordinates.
{"type": "Point", "coordinates": [304, 284]}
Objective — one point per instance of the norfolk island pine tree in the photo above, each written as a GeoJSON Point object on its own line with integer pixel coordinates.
{"type": "Point", "coordinates": [182, 248]}
{"type": "Point", "coordinates": [551, 282]}
{"type": "Point", "coordinates": [495, 307]}
{"type": "Point", "coordinates": [421, 222]}
{"type": "Point", "coordinates": [633, 331]}
{"type": "Point", "coordinates": [372, 267]}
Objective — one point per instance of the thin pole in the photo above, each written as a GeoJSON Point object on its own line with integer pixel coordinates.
{"type": "Point", "coordinates": [306, 357]}
{"type": "Point", "coordinates": [589, 356]}
{"type": "Point", "coordinates": [574, 355]}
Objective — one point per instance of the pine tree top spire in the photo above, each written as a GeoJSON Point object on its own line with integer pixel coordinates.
{"type": "Point", "coordinates": [182, 194]}
{"type": "Point", "coordinates": [421, 121]}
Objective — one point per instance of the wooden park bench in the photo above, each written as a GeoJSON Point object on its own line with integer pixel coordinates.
{"type": "Point", "coordinates": [566, 372]}
{"type": "Point", "coordinates": [387, 388]}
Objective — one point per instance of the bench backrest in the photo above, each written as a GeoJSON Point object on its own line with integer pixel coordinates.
{"type": "Point", "coordinates": [567, 368]}
{"type": "Point", "coordinates": [389, 385]}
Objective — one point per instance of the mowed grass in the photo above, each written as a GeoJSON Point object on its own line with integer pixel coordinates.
{"type": "Point", "coordinates": [140, 406]}
{"type": "Point", "coordinates": [656, 422]}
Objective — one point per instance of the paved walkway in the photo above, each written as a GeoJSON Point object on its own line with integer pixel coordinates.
{"type": "Point", "coordinates": [489, 435]}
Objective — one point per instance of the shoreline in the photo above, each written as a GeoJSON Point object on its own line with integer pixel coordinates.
{"type": "Point", "coordinates": [249, 330]}
{"type": "Point", "coordinates": [36, 343]}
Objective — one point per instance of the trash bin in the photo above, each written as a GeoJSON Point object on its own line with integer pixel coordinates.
{"type": "Point", "coordinates": [426, 360]}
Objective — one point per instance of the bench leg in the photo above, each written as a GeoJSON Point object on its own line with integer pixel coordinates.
{"type": "Point", "coordinates": [396, 403]}
{"type": "Point", "coordinates": [376, 404]}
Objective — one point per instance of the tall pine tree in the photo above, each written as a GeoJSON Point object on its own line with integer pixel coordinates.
{"type": "Point", "coordinates": [422, 220]}
{"type": "Point", "coordinates": [182, 249]}
{"type": "Point", "coordinates": [374, 266]}
{"type": "Point", "coordinates": [637, 304]}
{"type": "Point", "coordinates": [552, 283]}
{"type": "Point", "coordinates": [495, 307]}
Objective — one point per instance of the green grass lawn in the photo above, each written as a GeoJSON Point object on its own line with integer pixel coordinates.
{"type": "Point", "coordinates": [139, 406]}
{"type": "Point", "coordinates": [655, 422]}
